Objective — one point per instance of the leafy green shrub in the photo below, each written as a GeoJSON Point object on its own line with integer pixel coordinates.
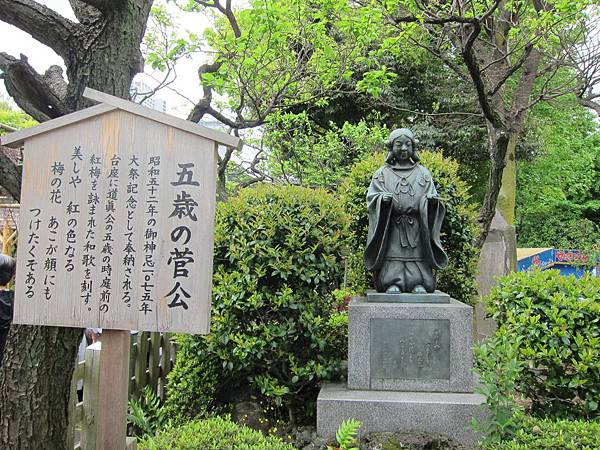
{"type": "Point", "coordinates": [278, 257]}
{"type": "Point", "coordinates": [458, 231]}
{"type": "Point", "coordinates": [215, 433]}
{"type": "Point", "coordinates": [498, 367]}
{"type": "Point", "coordinates": [544, 434]}
{"type": "Point", "coordinates": [557, 319]}
{"type": "Point", "coordinates": [192, 383]}
{"type": "Point", "coordinates": [146, 414]}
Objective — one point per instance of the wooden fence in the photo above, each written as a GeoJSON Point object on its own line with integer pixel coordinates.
{"type": "Point", "coordinates": [152, 356]}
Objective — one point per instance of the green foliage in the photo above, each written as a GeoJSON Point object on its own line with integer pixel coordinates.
{"type": "Point", "coordinates": [558, 190]}
{"type": "Point", "coordinates": [15, 119]}
{"type": "Point", "coordinates": [556, 320]}
{"type": "Point", "coordinates": [458, 231]}
{"type": "Point", "coordinates": [192, 383]}
{"type": "Point", "coordinates": [544, 434]}
{"type": "Point", "coordinates": [215, 433]}
{"type": "Point", "coordinates": [301, 152]}
{"type": "Point", "coordinates": [562, 226]}
{"type": "Point", "coordinates": [346, 435]}
{"type": "Point", "coordinates": [498, 367]}
{"type": "Point", "coordinates": [282, 53]}
{"type": "Point", "coordinates": [147, 415]}
{"type": "Point", "coordinates": [278, 256]}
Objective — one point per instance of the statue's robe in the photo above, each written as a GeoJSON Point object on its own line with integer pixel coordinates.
{"type": "Point", "coordinates": [403, 245]}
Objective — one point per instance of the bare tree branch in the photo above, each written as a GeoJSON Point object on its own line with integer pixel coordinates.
{"type": "Point", "coordinates": [226, 11]}
{"type": "Point", "coordinates": [203, 104]}
{"type": "Point", "coordinates": [34, 93]}
{"type": "Point", "coordinates": [509, 73]}
{"type": "Point", "coordinates": [589, 104]}
{"type": "Point", "coordinates": [85, 12]}
{"type": "Point", "coordinates": [41, 22]}
{"type": "Point", "coordinates": [471, 61]}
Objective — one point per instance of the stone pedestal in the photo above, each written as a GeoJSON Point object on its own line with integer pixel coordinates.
{"type": "Point", "coordinates": [409, 369]}
{"type": "Point", "coordinates": [410, 346]}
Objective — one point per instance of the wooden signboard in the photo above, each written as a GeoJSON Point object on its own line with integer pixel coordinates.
{"type": "Point", "coordinates": [117, 212]}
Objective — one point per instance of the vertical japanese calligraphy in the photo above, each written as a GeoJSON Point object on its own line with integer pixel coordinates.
{"type": "Point", "coordinates": [181, 256]}
{"type": "Point", "coordinates": [109, 225]}
{"type": "Point", "coordinates": [153, 168]}
{"type": "Point", "coordinates": [116, 224]}
{"type": "Point", "coordinates": [33, 240]}
{"type": "Point", "coordinates": [131, 205]}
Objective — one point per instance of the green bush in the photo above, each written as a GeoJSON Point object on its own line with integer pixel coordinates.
{"type": "Point", "coordinates": [215, 433]}
{"type": "Point", "coordinates": [562, 226]}
{"type": "Point", "coordinates": [458, 231]}
{"type": "Point", "coordinates": [193, 382]}
{"type": "Point", "coordinates": [275, 330]}
{"type": "Point", "coordinates": [544, 434]}
{"type": "Point", "coordinates": [557, 319]}
{"type": "Point", "coordinates": [498, 367]}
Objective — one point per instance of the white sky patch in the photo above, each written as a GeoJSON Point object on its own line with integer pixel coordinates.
{"type": "Point", "coordinates": [14, 42]}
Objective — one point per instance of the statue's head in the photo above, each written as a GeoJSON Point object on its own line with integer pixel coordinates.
{"type": "Point", "coordinates": [402, 145]}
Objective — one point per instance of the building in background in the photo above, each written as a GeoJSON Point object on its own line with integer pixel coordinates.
{"type": "Point", "coordinates": [139, 89]}
{"type": "Point", "coordinates": [568, 262]}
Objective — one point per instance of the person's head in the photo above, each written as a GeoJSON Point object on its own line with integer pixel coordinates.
{"type": "Point", "coordinates": [402, 146]}
{"type": "Point", "coordinates": [8, 267]}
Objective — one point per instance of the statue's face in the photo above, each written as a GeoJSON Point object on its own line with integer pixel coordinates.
{"type": "Point", "coordinates": [402, 148]}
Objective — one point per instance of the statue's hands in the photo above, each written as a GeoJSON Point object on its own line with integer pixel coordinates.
{"type": "Point", "coordinates": [387, 198]}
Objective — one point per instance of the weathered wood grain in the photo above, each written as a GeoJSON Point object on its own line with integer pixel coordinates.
{"type": "Point", "coordinates": [119, 134]}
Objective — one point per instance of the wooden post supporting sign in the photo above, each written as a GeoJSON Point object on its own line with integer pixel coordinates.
{"type": "Point", "coordinates": [113, 387]}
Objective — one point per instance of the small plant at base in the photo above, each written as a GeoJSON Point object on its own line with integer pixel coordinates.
{"type": "Point", "coordinates": [346, 435]}
{"type": "Point", "coordinates": [147, 415]}
{"type": "Point", "coordinates": [498, 367]}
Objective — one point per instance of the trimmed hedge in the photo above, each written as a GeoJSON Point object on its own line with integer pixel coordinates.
{"type": "Point", "coordinates": [558, 321]}
{"type": "Point", "coordinates": [544, 434]}
{"type": "Point", "coordinates": [215, 433]}
{"type": "Point", "coordinates": [459, 229]}
{"type": "Point", "coordinates": [275, 332]}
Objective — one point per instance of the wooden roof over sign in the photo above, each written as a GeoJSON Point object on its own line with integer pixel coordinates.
{"type": "Point", "coordinates": [110, 103]}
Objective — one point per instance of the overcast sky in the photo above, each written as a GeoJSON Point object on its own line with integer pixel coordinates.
{"type": "Point", "coordinates": [14, 42]}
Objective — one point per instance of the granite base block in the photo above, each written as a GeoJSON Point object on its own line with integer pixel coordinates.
{"type": "Point", "coordinates": [410, 347]}
{"type": "Point", "coordinates": [407, 297]}
{"type": "Point", "coordinates": [386, 411]}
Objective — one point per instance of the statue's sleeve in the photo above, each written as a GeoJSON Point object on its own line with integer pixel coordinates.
{"type": "Point", "coordinates": [432, 212]}
{"type": "Point", "coordinates": [379, 219]}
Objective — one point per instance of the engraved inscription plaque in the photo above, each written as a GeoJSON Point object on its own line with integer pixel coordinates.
{"type": "Point", "coordinates": [410, 349]}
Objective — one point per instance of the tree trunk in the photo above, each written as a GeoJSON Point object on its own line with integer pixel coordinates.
{"type": "Point", "coordinates": [38, 363]}
{"type": "Point", "coordinates": [498, 140]}
{"type": "Point", "coordinates": [507, 198]}
{"type": "Point", "coordinates": [35, 378]}
{"type": "Point", "coordinates": [110, 55]}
